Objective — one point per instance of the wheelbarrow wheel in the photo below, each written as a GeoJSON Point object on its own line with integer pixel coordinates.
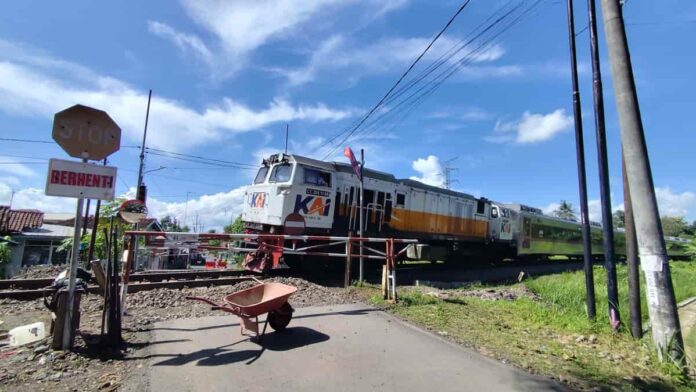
{"type": "Point", "coordinates": [280, 318]}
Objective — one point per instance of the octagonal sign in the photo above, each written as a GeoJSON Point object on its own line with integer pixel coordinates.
{"type": "Point", "coordinates": [87, 133]}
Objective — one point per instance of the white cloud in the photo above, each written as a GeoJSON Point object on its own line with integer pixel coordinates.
{"type": "Point", "coordinates": [674, 204]}
{"type": "Point", "coordinates": [430, 170]}
{"type": "Point", "coordinates": [17, 169]}
{"type": "Point", "coordinates": [185, 42]}
{"type": "Point", "coordinates": [9, 181]}
{"type": "Point", "coordinates": [239, 27]}
{"type": "Point", "coordinates": [213, 211]}
{"type": "Point", "coordinates": [668, 202]}
{"type": "Point", "coordinates": [30, 88]}
{"type": "Point", "coordinates": [34, 198]}
{"type": "Point", "coordinates": [549, 209]}
{"type": "Point", "coordinates": [384, 55]}
{"type": "Point", "coordinates": [531, 128]}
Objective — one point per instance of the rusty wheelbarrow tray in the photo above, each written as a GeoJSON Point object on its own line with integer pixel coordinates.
{"type": "Point", "coordinates": [249, 304]}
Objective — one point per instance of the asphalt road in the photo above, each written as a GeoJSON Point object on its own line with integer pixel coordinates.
{"type": "Point", "coordinates": [330, 348]}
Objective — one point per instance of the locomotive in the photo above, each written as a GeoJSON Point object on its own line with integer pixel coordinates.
{"type": "Point", "coordinates": [449, 225]}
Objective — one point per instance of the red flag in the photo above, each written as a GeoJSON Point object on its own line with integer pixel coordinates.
{"type": "Point", "coordinates": [353, 162]}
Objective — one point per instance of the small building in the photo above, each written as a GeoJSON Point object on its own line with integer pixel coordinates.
{"type": "Point", "coordinates": [34, 241]}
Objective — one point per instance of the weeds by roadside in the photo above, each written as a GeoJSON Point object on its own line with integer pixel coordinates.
{"type": "Point", "coordinates": [547, 331]}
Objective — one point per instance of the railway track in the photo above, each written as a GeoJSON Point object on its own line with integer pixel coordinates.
{"type": "Point", "coordinates": [28, 289]}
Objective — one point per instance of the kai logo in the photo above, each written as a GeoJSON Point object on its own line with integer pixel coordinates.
{"type": "Point", "coordinates": [312, 205]}
{"type": "Point", "coordinates": [258, 200]}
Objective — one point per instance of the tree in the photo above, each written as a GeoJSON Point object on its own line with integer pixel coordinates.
{"type": "Point", "coordinates": [170, 224]}
{"type": "Point", "coordinates": [5, 255]}
{"type": "Point", "coordinates": [674, 226]}
{"type": "Point", "coordinates": [236, 227]}
{"type": "Point", "coordinates": [565, 211]}
{"type": "Point", "coordinates": [619, 218]}
{"type": "Point", "coordinates": [691, 229]}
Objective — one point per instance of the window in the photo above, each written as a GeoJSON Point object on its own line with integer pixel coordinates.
{"type": "Point", "coordinates": [281, 173]}
{"type": "Point", "coordinates": [316, 177]}
{"type": "Point", "coordinates": [400, 199]}
{"type": "Point", "coordinates": [352, 193]}
{"type": "Point", "coordinates": [494, 212]}
{"type": "Point", "coordinates": [481, 206]}
{"type": "Point", "coordinates": [261, 175]}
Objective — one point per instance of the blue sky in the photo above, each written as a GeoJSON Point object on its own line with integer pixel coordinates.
{"type": "Point", "coordinates": [228, 75]}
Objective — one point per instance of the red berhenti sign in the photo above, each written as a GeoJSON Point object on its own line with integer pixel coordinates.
{"type": "Point", "coordinates": [78, 179]}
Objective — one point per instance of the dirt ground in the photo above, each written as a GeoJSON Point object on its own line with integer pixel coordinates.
{"type": "Point", "coordinates": [92, 367]}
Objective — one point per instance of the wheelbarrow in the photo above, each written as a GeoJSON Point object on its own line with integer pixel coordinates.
{"type": "Point", "coordinates": [249, 304]}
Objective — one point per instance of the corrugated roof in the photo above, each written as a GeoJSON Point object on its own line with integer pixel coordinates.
{"type": "Point", "coordinates": [16, 221]}
{"type": "Point", "coordinates": [46, 231]}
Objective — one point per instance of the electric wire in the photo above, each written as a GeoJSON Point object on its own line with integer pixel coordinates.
{"type": "Point", "coordinates": [395, 85]}
{"type": "Point", "coordinates": [408, 104]}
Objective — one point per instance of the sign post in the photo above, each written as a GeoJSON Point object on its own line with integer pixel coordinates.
{"type": "Point", "coordinates": [88, 134]}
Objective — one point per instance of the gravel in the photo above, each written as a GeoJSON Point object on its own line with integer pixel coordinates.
{"type": "Point", "coordinates": [39, 271]}
{"type": "Point", "coordinates": [94, 368]}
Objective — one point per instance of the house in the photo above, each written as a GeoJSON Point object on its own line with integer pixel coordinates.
{"type": "Point", "coordinates": [34, 241]}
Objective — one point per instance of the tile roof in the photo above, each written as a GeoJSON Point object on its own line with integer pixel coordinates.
{"type": "Point", "coordinates": [16, 221]}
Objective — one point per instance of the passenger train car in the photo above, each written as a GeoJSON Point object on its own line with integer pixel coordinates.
{"type": "Point", "coordinates": [448, 224]}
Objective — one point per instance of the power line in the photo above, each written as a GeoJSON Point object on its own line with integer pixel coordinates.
{"type": "Point", "coordinates": [22, 163]}
{"type": "Point", "coordinates": [7, 139]}
{"type": "Point", "coordinates": [204, 162]}
{"type": "Point", "coordinates": [194, 158]}
{"type": "Point", "coordinates": [23, 156]}
{"type": "Point", "coordinates": [413, 100]}
{"type": "Point", "coordinates": [395, 85]}
{"type": "Point", "coordinates": [485, 33]}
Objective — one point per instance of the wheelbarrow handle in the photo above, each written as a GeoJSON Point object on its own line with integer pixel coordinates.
{"type": "Point", "coordinates": [206, 300]}
{"type": "Point", "coordinates": [225, 308]}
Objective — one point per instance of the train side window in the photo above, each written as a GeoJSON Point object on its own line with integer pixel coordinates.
{"type": "Point", "coordinates": [316, 177]}
{"type": "Point", "coordinates": [480, 206]}
{"type": "Point", "coordinates": [494, 212]}
{"type": "Point", "coordinates": [352, 193]}
{"type": "Point", "coordinates": [380, 198]}
{"type": "Point", "coordinates": [388, 209]}
{"type": "Point", "coordinates": [400, 199]}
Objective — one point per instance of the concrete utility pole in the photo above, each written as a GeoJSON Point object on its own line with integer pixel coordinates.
{"type": "Point", "coordinates": [662, 305]}
{"type": "Point", "coordinates": [582, 179]}
{"type": "Point", "coordinates": [605, 192]}
{"type": "Point", "coordinates": [631, 259]}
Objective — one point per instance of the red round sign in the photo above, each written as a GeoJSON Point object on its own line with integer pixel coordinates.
{"type": "Point", "coordinates": [294, 224]}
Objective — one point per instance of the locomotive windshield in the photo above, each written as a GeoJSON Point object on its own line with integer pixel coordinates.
{"type": "Point", "coordinates": [281, 173]}
{"type": "Point", "coordinates": [261, 175]}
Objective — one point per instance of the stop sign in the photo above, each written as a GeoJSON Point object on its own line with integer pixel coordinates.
{"type": "Point", "coordinates": [86, 133]}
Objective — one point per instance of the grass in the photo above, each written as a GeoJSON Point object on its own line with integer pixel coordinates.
{"type": "Point", "coordinates": [691, 340]}
{"type": "Point", "coordinates": [547, 331]}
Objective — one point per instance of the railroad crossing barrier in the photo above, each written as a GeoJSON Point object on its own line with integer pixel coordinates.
{"type": "Point", "coordinates": [265, 250]}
